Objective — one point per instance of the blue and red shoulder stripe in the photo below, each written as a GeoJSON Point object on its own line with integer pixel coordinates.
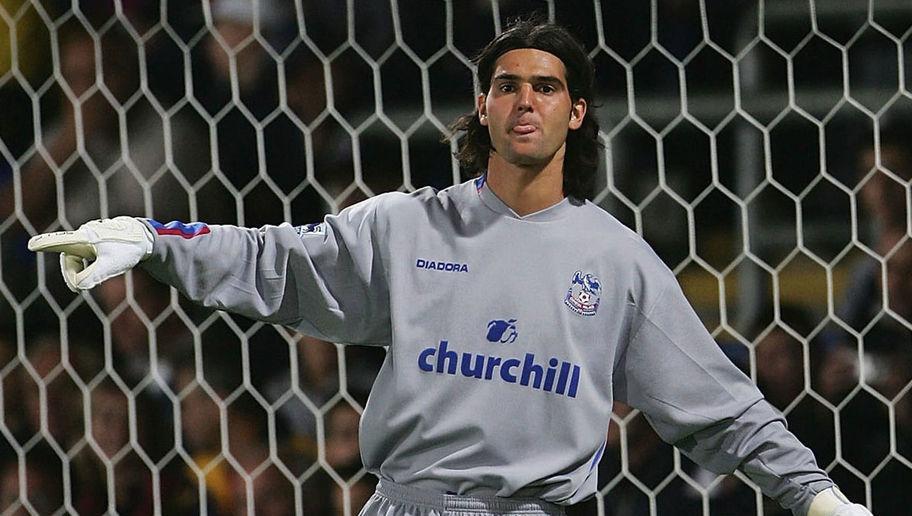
{"type": "Point", "coordinates": [179, 228]}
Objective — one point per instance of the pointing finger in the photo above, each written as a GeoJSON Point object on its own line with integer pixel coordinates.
{"type": "Point", "coordinates": [70, 242]}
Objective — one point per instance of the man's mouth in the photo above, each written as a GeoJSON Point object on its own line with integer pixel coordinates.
{"type": "Point", "coordinates": [523, 129]}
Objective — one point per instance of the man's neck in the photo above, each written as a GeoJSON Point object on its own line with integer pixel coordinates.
{"type": "Point", "coordinates": [526, 189]}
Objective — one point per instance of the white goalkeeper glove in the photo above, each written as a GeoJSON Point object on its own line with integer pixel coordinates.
{"type": "Point", "coordinates": [98, 250]}
{"type": "Point", "coordinates": [831, 502]}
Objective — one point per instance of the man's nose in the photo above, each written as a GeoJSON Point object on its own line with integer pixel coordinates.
{"type": "Point", "coordinates": [524, 98]}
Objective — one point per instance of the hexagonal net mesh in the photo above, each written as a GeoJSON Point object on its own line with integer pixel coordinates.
{"type": "Point", "coordinates": [761, 147]}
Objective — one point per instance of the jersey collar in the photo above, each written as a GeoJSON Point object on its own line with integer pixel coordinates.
{"type": "Point", "coordinates": [490, 199]}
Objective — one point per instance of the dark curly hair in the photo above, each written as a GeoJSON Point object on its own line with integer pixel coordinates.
{"type": "Point", "coordinates": [582, 154]}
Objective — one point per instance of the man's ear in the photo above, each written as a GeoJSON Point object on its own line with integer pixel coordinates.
{"type": "Point", "coordinates": [482, 110]}
{"type": "Point", "coordinates": [577, 113]}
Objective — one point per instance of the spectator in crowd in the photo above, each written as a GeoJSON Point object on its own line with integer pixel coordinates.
{"type": "Point", "coordinates": [649, 459]}
{"type": "Point", "coordinates": [61, 403]}
{"type": "Point", "coordinates": [9, 484]}
{"type": "Point", "coordinates": [882, 196]}
{"type": "Point", "coordinates": [110, 419]}
{"type": "Point", "coordinates": [330, 145]}
{"type": "Point", "coordinates": [881, 354]}
{"type": "Point", "coordinates": [12, 385]}
{"type": "Point", "coordinates": [271, 491]}
{"type": "Point", "coordinates": [233, 59]}
{"type": "Point", "coordinates": [201, 430]}
{"type": "Point", "coordinates": [88, 116]}
{"type": "Point", "coordinates": [130, 334]}
{"type": "Point", "coordinates": [248, 431]}
{"type": "Point", "coordinates": [782, 374]}
{"type": "Point", "coordinates": [318, 381]}
{"type": "Point", "coordinates": [133, 491]}
{"type": "Point", "coordinates": [342, 451]}
{"type": "Point", "coordinates": [101, 170]}
{"type": "Point", "coordinates": [780, 367]}
{"type": "Point", "coordinates": [43, 485]}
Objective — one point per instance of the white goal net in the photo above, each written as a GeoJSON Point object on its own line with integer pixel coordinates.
{"type": "Point", "coordinates": [761, 147]}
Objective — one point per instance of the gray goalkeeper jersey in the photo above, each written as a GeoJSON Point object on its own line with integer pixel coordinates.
{"type": "Point", "coordinates": [508, 338]}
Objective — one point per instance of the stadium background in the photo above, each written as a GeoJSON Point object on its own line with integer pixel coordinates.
{"type": "Point", "coordinates": [760, 147]}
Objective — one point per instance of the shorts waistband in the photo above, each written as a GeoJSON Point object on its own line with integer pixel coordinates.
{"type": "Point", "coordinates": [463, 503]}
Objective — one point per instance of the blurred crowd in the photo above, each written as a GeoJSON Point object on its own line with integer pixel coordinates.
{"type": "Point", "coordinates": [860, 366]}
{"type": "Point", "coordinates": [130, 397]}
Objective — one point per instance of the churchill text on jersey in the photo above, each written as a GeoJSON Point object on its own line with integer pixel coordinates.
{"type": "Point", "coordinates": [489, 367]}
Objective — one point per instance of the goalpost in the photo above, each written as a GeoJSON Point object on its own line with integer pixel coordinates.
{"type": "Point", "coordinates": [754, 144]}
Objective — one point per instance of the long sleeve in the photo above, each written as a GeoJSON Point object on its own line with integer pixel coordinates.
{"type": "Point", "coordinates": [696, 399]}
{"type": "Point", "coordinates": [326, 280]}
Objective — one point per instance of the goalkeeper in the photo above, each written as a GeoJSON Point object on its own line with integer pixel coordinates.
{"type": "Point", "coordinates": [514, 312]}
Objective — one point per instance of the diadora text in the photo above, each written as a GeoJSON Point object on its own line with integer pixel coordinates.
{"type": "Point", "coordinates": [441, 266]}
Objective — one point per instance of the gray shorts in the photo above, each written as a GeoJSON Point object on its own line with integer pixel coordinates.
{"type": "Point", "coordinates": [393, 499]}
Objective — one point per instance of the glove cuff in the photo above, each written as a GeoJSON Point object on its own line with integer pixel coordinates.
{"type": "Point", "coordinates": [149, 242]}
{"type": "Point", "coordinates": [827, 501]}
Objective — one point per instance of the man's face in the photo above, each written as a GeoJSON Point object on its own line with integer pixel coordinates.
{"type": "Point", "coordinates": [528, 109]}
{"type": "Point", "coordinates": [882, 196]}
{"type": "Point", "coordinates": [899, 281]}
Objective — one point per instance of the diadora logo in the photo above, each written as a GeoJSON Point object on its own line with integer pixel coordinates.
{"type": "Point", "coordinates": [502, 331]}
{"type": "Point", "coordinates": [433, 265]}
{"type": "Point", "coordinates": [584, 294]}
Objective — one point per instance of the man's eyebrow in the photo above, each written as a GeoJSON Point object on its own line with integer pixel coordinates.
{"type": "Point", "coordinates": [535, 78]}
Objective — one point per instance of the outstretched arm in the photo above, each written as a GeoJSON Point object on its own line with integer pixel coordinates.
{"type": "Point", "coordinates": [696, 399]}
{"type": "Point", "coordinates": [326, 279]}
